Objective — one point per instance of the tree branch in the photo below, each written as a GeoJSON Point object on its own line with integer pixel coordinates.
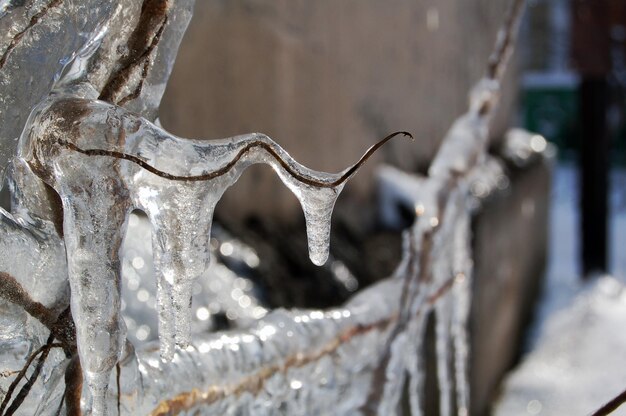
{"type": "Point", "coordinates": [43, 350]}
{"type": "Point", "coordinates": [612, 405]}
{"type": "Point", "coordinates": [226, 168]}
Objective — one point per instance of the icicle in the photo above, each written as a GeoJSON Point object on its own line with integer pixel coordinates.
{"type": "Point", "coordinates": [317, 193]}
{"type": "Point", "coordinates": [442, 345]}
{"type": "Point", "coordinates": [462, 297]}
{"type": "Point", "coordinates": [165, 311]}
{"type": "Point", "coordinates": [444, 249]}
{"type": "Point", "coordinates": [415, 364]}
{"type": "Point", "coordinates": [181, 216]}
{"type": "Point", "coordinates": [318, 205]}
{"type": "Point", "coordinates": [94, 223]}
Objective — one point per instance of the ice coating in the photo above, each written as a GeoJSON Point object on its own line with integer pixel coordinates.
{"type": "Point", "coordinates": [63, 28]}
{"type": "Point", "coordinates": [415, 366]}
{"type": "Point", "coordinates": [462, 297]}
{"type": "Point", "coordinates": [105, 161]}
{"type": "Point", "coordinates": [321, 362]}
{"type": "Point", "coordinates": [442, 344]}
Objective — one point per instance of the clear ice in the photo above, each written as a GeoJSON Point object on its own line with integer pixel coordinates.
{"type": "Point", "coordinates": [90, 152]}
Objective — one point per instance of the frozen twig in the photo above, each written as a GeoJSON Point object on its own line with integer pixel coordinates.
{"type": "Point", "coordinates": [42, 352]}
{"type": "Point", "coordinates": [61, 326]}
{"type": "Point", "coordinates": [33, 21]}
{"type": "Point", "coordinates": [265, 145]}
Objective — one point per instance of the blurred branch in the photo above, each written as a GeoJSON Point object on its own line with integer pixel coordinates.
{"type": "Point", "coordinates": [505, 42]}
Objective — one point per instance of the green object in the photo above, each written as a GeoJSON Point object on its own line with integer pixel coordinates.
{"type": "Point", "coordinates": [550, 106]}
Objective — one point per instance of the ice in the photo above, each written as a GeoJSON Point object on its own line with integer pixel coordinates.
{"type": "Point", "coordinates": [443, 310]}
{"type": "Point", "coordinates": [463, 266]}
{"type": "Point", "coordinates": [90, 154]}
{"type": "Point", "coordinates": [290, 357]}
{"type": "Point", "coordinates": [415, 366]}
{"type": "Point", "coordinates": [176, 182]}
{"type": "Point", "coordinates": [371, 327]}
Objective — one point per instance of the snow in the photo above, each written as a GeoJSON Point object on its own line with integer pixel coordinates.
{"type": "Point", "coordinates": [578, 363]}
{"type": "Point", "coordinates": [574, 363]}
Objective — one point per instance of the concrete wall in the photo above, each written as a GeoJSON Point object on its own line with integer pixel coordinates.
{"type": "Point", "coordinates": [327, 79]}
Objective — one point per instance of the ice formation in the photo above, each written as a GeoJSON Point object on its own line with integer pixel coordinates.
{"type": "Point", "coordinates": [90, 153]}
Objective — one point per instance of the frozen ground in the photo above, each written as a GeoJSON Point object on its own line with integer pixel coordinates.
{"type": "Point", "coordinates": [576, 359]}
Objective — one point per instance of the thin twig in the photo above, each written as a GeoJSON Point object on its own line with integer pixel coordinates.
{"type": "Point", "coordinates": [505, 43]}
{"type": "Point", "coordinates": [43, 350]}
{"type": "Point", "coordinates": [33, 21]}
{"type": "Point", "coordinates": [61, 326]}
{"type": "Point", "coordinates": [612, 405]}
{"type": "Point", "coordinates": [225, 169]}
{"type": "Point", "coordinates": [118, 376]}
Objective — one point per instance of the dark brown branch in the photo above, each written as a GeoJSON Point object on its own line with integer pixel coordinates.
{"type": "Point", "coordinates": [611, 406]}
{"type": "Point", "coordinates": [61, 326]}
{"type": "Point", "coordinates": [146, 66]}
{"type": "Point", "coordinates": [12, 291]}
{"type": "Point", "coordinates": [33, 21]}
{"type": "Point", "coordinates": [118, 376]}
{"type": "Point", "coordinates": [73, 387]}
{"type": "Point", "coordinates": [140, 45]}
{"type": "Point", "coordinates": [225, 169]}
{"type": "Point", "coordinates": [369, 154]}
{"type": "Point", "coordinates": [43, 350]}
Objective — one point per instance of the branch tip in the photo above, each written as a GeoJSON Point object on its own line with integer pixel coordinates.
{"type": "Point", "coordinates": [369, 154]}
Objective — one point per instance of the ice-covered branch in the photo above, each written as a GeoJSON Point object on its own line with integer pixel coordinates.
{"type": "Point", "coordinates": [443, 202]}
{"type": "Point", "coordinates": [103, 162]}
{"type": "Point", "coordinates": [243, 369]}
{"type": "Point", "coordinates": [262, 142]}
